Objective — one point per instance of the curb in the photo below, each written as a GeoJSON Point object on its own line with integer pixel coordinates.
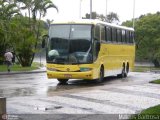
{"type": "Point", "coordinates": [22, 72]}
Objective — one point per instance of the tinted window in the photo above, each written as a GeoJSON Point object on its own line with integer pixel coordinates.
{"type": "Point", "coordinates": [114, 34]}
{"type": "Point", "coordinates": [108, 33]}
{"type": "Point", "coordinates": [123, 36]}
{"type": "Point", "coordinates": [103, 33]}
{"type": "Point", "coordinates": [97, 32]}
{"type": "Point", "coordinates": [80, 31]}
{"type": "Point", "coordinates": [127, 36]}
{"type": "Point", "coordinates": [57, 30]}
{"type": "Point", "coordinates": [131, 37]}
{"type": "Point", "coordinates": [119, 35]}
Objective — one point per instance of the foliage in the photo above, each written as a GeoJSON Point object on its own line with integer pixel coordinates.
{"type": "Point", "coordinates": [148, 38]}
{"type": "Point", "coordinates": [156, 81]}
{"type": "Point", "coordinates": [94, 15]}
{"type": "Point", "coordinates": [22, 34]}
{"type": "Point", "coordinates": [22, 40]}
{"type": "Point", "coordinates": [148, 114]}
{"type": "Point", "coordinates": [7, 11]}
{"type": "Point", "coordinates": [111, 17]}
{"type": "Point", "coordinates": [145, 69]}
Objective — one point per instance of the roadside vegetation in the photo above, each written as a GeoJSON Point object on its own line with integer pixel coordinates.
{"type": "Point", "coordinates": [145, 68]}
{"type": "Point", "coordinates": [21, 33]}
{"type": "Point", "coordinates": [18, 67]}
{"type": "Point", "coordinates": [156, 81]}
{"type": "Point", "coordinates": [147, 37]}
{"type": "Point", "coordinates": [151, 113]}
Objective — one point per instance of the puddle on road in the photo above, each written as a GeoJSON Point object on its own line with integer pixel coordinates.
{"type": "Point", "coordinates": [17, 92]}
{"type": "Point", "coordinates": [79, 85]}
{"type": "Point", "coordinates": [44, 88]}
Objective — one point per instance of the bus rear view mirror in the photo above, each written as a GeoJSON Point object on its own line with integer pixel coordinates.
{"type": "Point", "coordinates": [44, 38]}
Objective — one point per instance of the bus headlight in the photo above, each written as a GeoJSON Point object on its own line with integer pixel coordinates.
{"type": "Point", "coordinates": [85, 69]}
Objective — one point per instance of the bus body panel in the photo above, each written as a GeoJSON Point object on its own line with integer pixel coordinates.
{"type": "Point", "coordinates": [112, 56]}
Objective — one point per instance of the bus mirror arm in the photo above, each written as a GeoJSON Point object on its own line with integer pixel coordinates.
{"type": "Point", "coordinates": [44, 38]}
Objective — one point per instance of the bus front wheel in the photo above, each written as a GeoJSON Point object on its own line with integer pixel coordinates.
{"type": "Point", "coordinates": [101, 75]}
{"type": "Point", "coordinates": [62, 81]}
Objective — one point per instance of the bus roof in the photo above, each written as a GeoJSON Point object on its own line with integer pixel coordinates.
{"type": "Point", "coordinates": [93, 22]}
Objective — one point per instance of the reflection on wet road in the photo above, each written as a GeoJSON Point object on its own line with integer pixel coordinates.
{"type": "Point", "coordinates": [38, 84]}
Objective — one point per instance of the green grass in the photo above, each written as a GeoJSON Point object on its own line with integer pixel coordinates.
{"type": "Point", "coordinates": [156, 81]}
{"type": "Point", "coordinates": [144, 68]}
{"type": "Point", "coordinates": [148, 113]}
{"type": "Point", "coordinates": [16, 67]}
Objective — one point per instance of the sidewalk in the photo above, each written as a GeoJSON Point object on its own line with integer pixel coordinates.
{"type": "Point", "coordinates": [40, 70]}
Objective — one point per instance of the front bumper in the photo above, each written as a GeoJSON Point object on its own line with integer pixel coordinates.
{"type": "Point", "coordinates": [70, 75]}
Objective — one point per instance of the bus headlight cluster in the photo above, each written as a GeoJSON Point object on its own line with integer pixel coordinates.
{"type": "Point", "coordinates": [85, 69]}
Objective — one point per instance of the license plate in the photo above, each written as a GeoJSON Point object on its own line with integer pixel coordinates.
{"type": "Point", "coordinates": [67, 75]}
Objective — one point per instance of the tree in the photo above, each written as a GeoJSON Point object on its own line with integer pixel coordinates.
{"type": "Point", "coordinates": [112, 17]}
{"type": "Point", "coordinates": [94, 16]}
{"type": "Point", "coordinates": [48, 22]}
{"type": "Point", "coordinates": [7, 11]}
{"type": "Point", "coordinates": [148, 38]}
{"type": "Point", "coordinates": [36, 10]}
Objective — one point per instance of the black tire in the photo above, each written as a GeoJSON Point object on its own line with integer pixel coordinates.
{"type": "Point", "coordinates": [123, 73]}
{"type": "Point", "coordinates": [127, 70]}
{"type": "Point", "coordinates": [101, 75]}
{"type": "Point", "coordinates": [62, 81]}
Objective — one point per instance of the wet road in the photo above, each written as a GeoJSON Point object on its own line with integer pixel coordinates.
{"type": "Point", "coordinates": [35, 94]}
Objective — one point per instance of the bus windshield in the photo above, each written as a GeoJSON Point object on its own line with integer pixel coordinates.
{"type": "Point", "coordinates": [69, 44]}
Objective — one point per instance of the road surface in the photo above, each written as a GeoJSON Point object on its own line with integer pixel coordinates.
{"type": "Point", "coordinates": [34, 94]}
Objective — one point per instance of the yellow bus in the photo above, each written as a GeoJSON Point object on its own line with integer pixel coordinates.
{"type": "Point", "coordinates": [89, 49]}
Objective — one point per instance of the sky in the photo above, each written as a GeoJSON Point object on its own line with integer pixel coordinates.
{"type": "Point", "coordinates": [70, 9]}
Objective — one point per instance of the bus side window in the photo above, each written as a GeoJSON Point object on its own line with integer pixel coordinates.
{"type": "Point", "coordinates": [108, 34]}
{"type": "Point", "coordinates": [114, 35]}
{"type": "Point", "coordinates": [127, 36]}
{"type": "Point", "coordinates": [103, 34]}
{"type": "Point", "coordinates": [97, 32]}
{"type": "Point", "coordinates": [131, 37]}
{"type": "Point", "coordinates": [119, 35]}
{"type": "Point", "coordinates": [96, 41]}
{"type": "Point", "coordinates": [123, 36]}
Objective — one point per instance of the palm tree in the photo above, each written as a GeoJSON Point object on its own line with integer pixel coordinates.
{"type": "Point", "coordinates": [7, 11]}
{"type": "Point", "coordinates": [41, 7]}
{"type": "Point", "coordinates": [36, 8]}
{"type": "Point", "coordinates": [48, 22]}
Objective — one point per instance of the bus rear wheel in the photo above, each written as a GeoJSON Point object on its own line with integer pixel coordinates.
{"type": "Point", "coordinates": [127, 70]}
{"type": "Point", "coordinates": [62, 81]}
{"type": "Point", "coordinates": [123, 73]}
